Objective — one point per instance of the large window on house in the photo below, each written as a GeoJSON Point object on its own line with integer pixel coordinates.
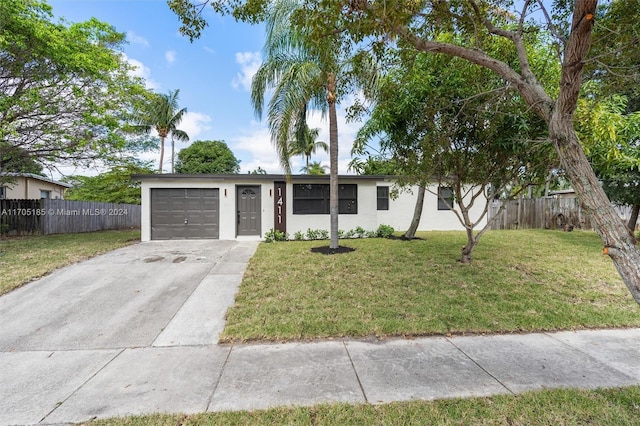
{"type": "Point", "coordinates": [445, 198]}
{"type": "Point", "coordinates": [313, 198]}
{"type": "Point", "coordinates": [383, 197]}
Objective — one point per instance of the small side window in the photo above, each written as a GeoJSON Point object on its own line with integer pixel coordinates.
{"type": "Point", "coordinates": [445, 198]}
{"type": "Point", "coordinates": [383, 197]}
{"type": "Point", "coordinates": [45, 194]}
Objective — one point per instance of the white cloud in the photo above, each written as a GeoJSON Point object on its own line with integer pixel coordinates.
{"type": "Point", "coordinates": [194, 123]}
{"type": "Point", "coordinates": [170, 56]}
{"type": "Point", "coordinates": [142, 71]}
{"type": "Point", "coordinates": [249, 63]}
{"type": "Point", "coordinates": [255, 144]}
{"type": "Point", "coordinates": [137, 39]}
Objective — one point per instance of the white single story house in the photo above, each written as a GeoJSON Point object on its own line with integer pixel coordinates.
{"type": "Point", "coordinates": [236, 207]}
{"type": "Point", "coordinates": [28, 186]}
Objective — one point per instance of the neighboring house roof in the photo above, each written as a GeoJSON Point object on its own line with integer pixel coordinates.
{"type": "Point", "coordinates": [562, 191]}
{"type": "Point", "coordinates": [270, 177]}
{"type": "Point", "coordinates": [38, 177]}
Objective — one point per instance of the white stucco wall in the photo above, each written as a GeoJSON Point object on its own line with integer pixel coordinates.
{"type": "Point", "coordinates": [366, 217]}
{"type": "Point", "coordinates": [227, 208]}
{"type": "Point", "coordinates": [369, 217]}
{"type": "Point", "coordinates": [401, 210]}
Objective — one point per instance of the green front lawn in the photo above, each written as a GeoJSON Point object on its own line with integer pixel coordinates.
{"type": "Point", "coordinates": [519, 281]}
{"type": "Point", "coordinates": [23, 259]}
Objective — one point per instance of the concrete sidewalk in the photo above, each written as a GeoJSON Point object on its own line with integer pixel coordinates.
{"type": "Point", "coordinates": [78, 385]}
{"type": "Point", "coordinates": [134, 332]}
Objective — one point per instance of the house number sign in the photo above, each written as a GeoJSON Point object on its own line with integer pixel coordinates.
{"type": "Point", "coordinates": [280, 206]}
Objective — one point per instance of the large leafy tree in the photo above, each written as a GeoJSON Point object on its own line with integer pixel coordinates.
{"type": "Point", "coordinates": [611, 138]}
{"type": "Point", "coordinates": [207, 157]}
{"type": "Point", "coordinates": [163, 115]}
{"type": "Point", "coordinates": [112, 186]}
{"type": "Point", "coordinates": [477, 23]}
{"type": "Point", "coordinates": [65, 89]}
{"type": "Point", "coordinates": [16, 160]}
{"type": "Point", "coordinates": [446, 120]}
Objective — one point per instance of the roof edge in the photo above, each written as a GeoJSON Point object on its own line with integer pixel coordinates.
{"type": "Point", "coordinates": [38, 177]}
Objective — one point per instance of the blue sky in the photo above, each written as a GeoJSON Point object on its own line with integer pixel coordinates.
{"type": "Point", "coordinates": [213, 75]}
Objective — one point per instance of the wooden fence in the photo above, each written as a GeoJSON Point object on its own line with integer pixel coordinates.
{"type": "Point", "coordinates": [544, 213]}
{"type": "Point", "coordinates": [49, 216]}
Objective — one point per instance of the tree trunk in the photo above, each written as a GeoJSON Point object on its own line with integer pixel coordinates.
{"type": "Point", "coordinates": [618, 241]}
{"type": "Point", "coordinates": [307, 157]}
{"type": "Point", "coordinates": [634, 217]}
{"type": "Point", "coordinates": [468, 249]}
{"type": "Point", "coordinates": [333, 160]}
{"type": "Point", "coordinates": [417, 214]}
{"type": "Point", "coordinates": [161, 155]}
{"type": "Point", "coordinates": [173, 149]}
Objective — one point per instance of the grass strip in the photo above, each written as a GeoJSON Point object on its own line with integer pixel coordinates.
{"type": "Point", "coordinates": [23, 259]}
{"type": "Point", "coordinates": [616, 407]}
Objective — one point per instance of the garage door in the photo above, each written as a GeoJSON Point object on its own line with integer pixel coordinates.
{"type": "Point", "coordinates": [180, 213]}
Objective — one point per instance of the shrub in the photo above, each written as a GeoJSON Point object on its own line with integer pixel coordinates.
{"type": "Point", "coordinates": [274, 235]}
{"type": "Point", "coordinates": [298, 236]}
{"type": "Point", "coordinates": [385, 231]}
{"type": "Point", "coordinates": [312, 234]}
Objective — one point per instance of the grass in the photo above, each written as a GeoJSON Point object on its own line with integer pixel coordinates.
{"type": "Point", "coordinates": [519, 281]}
{"type": "Point", "coordinates": [23, 259]}
{"type": "Point", "coordinates": [549, 407]}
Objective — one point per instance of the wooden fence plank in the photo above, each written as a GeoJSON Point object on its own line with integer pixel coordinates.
{"type": "Point", "coordinates": [55, 216]}
{"type": "Point", "coordinates": [544, 213]}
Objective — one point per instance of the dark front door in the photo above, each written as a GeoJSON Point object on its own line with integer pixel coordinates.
{"type": "Point", "coordinates": [249, 207]}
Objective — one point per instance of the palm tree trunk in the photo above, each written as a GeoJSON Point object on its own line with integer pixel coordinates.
{"type": "Point", "coordinates": [161, 155]}
{"type": "Point", "coordinates": [173, 148]}
{"type": "Point", "coordinates": [333, 160]}
{"type": "Point", "coordinates": [307, 157]}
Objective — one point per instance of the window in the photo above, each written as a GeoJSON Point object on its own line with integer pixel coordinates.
{"type": "Point", "coordinates": [445, 198]}
{"type": "Point", "coordinates": [3, 192]}
{"type": "Point", "coordinates": [383, 197]}
{"type": "Point", "coordinates": [45, 194]}
{"type": "Point", "coordinates": [314, 199]}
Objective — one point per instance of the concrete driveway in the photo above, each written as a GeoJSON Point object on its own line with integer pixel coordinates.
{"type": "Point", "coordinates": [149, 294]}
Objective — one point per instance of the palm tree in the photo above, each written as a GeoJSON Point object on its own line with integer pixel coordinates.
{"type": "Point", "coordinates": [307, 145]}
{"type": "Point", "coordinates": [301, 76]}
{"type": "Point", "coordinates": [315, 168]}
{"type": "Point", "coordinates": [163, 116]}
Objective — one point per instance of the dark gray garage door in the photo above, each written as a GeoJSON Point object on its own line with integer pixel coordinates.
{"type": "Point", "coordinates": [179, 213]}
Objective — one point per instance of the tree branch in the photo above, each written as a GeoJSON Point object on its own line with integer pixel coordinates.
{"type": "Point", "coordinates": [532, 92]}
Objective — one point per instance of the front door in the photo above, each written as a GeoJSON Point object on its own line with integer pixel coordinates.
{"type": "Point", "coordinates": [249, 207]}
